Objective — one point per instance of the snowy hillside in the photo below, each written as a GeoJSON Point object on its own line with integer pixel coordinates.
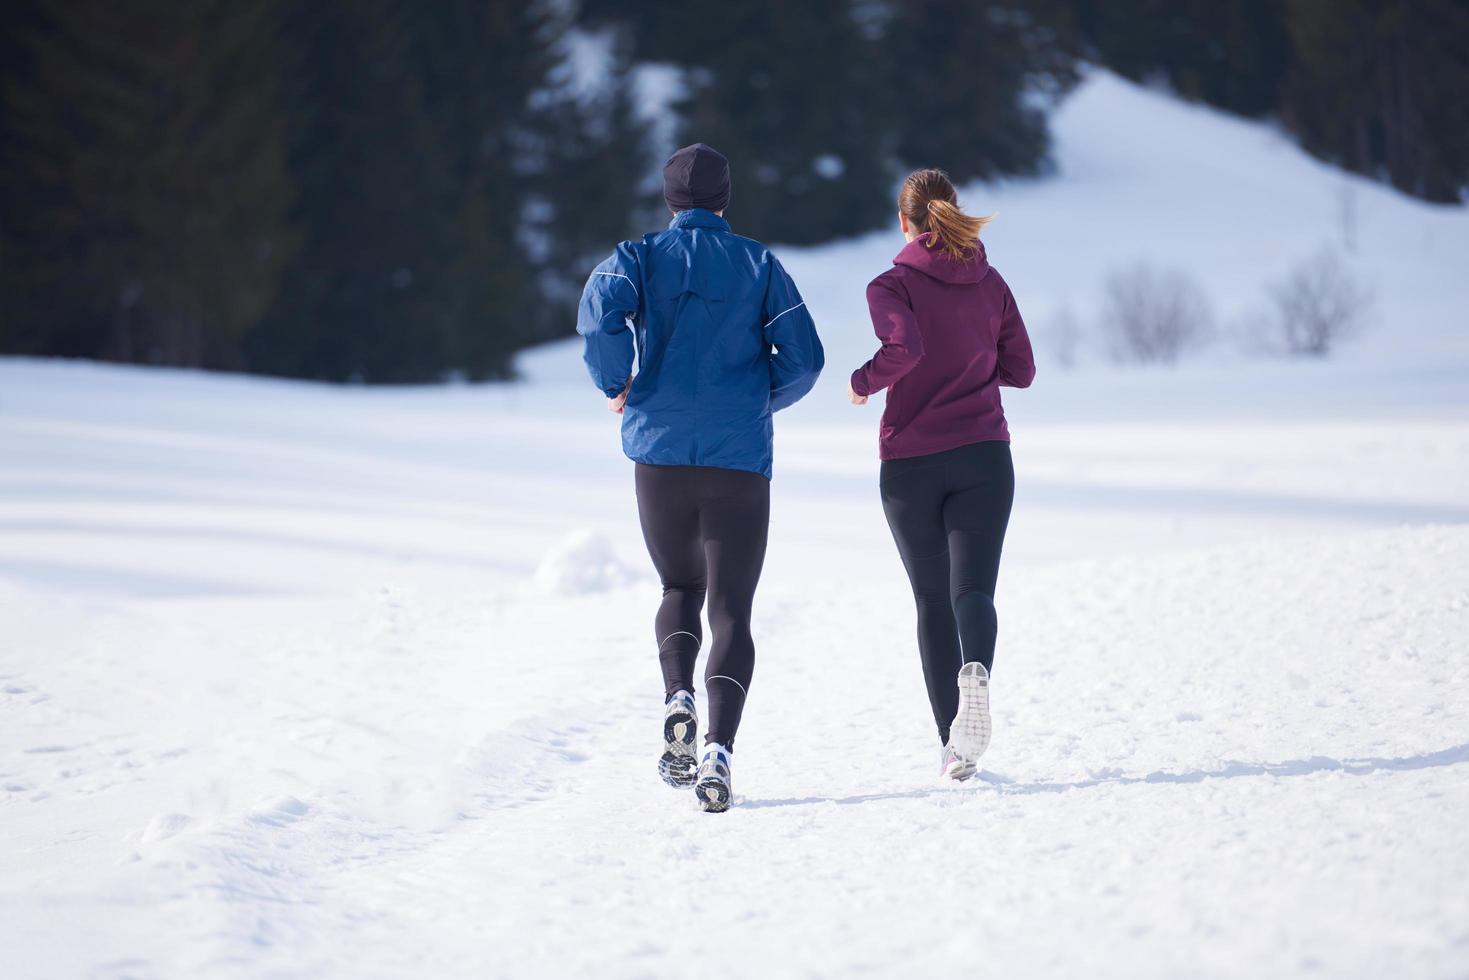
{"type": "Point", "coordinates": [299, 681]}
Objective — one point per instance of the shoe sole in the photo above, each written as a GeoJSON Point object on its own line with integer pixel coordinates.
{"type": "Point", "coordinates": [678, 766]}
{"type": "Point", "coordinates": [713, 795]}
{"type": "Point", "coordinates": [969, 736]}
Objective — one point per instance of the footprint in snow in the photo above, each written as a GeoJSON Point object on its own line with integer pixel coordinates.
{"type": "Point", "coordinates": [164, 826]}
{"type": "Point", "coordinates": [280, 811]}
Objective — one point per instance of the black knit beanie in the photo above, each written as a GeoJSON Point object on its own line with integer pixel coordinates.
{"type": "Point", "coordinates": [696, 176]}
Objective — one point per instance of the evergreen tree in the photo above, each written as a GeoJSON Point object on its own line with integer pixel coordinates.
{"type": "Point", "coordinates": [1379, 86]}
{"type": "Point", "coordinates": [144, 180]}
{"type": "Point", "coordinates": [975, 81]}
{"type": "Point", "coordinates": [820, 106]}
{"type": "Point", "coordinates": [794, 94]}
{"type": "Point", "coordinates": [1230, 53]}
{"type": "Point", "coordinates": [392, 191]}
{"type": "Point", "coordinates": [1372, 85]}
{"type": "Point", "coordinates": [480, 64]}
{"type": "Point", "coordinates": [584, 178]}
{"type": "Point", "coordinates": [366, 298]}
{"type": "Point", "coordinates": [439, 189]}
{"type": "Point", "coordinates": [23, 329]}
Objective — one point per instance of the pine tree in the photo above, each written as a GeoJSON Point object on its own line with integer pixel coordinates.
{"type": "Point", "coordinates": [794, 94]}
{"type": "Point", "coordinates": [586, 186]}
{"type": "Point", "coordinates": [1378, 86]}
{"type": "Point", "coordinates": [1229, 53]}
{"type": "Point", "coordinates": [423, 146]}
{"type": "Point", "coordinates": [24, 329]}
{"type": "Point", "coordinates": [365, 299]}
{"type": "Point", "coordinates": [970, 77]}
{"type": "Point", "coordinates": [479, 65]}
{"type": "Point", "coordinates": [145, 169]}
{"type": "Point", "coordinates": [820, 106]}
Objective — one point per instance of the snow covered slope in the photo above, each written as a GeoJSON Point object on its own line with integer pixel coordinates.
{"type": "Point", "coordinates": [300, 681]}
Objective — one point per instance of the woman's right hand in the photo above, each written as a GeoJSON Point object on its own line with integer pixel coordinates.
{"type": "Point", "coordinates": [853, 397]}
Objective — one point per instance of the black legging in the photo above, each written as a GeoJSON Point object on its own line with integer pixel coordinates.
{"type": "Point", "coordinates": [948, 513]}
{"type": "Point", "coordinates": [706, 529]}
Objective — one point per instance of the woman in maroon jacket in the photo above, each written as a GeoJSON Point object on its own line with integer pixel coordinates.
{"type": "Point", "coordinates": [951, 336]}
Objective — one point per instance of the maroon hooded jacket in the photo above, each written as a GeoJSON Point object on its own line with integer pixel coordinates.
{"type": "Point", "coordinates": [951, 336]}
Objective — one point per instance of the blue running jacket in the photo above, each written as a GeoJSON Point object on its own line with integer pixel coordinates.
{"type": "Point", "coordinates": [722, 340]}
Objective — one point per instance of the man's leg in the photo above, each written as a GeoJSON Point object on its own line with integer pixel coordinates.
{"type": "Point", "coordinates": [735, 523]}
{"type": "Point", "coordinates": [669, 512]}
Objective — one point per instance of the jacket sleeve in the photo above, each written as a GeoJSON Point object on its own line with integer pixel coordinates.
{"type": "Point", "coordinates": [897, 328]}
{"type": "Point", "coordinates": [609, 307]}
{"type": "Point", "coordinates": [1016, 360]}
{"type": "Point", "coordinates": [798, 356]}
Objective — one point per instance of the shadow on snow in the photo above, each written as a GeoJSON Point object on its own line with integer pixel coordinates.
{"type": "Point", "coordinates": [1233, 770]}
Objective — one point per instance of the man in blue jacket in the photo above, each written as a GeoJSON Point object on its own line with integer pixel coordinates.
{"type": "Point", "coordinates": [722, 341]}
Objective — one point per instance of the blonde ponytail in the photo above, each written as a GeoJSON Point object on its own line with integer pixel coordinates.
{"type": "Point", "coordinates": [929, 202]}
{"type": "Point", "coordinates": [956, 231]}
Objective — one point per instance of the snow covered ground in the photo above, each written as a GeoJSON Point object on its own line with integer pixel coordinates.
{"type": "Point", "coordinates": [299, 681]}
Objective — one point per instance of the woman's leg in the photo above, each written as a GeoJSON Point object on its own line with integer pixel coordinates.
{"type": "Point", "coordinates": [976, 515]}
{"type": "Point", "coordinates": [912, 499]}
{"type": "Point", "coordinates": [734, 523]}
{"type": "Point", "coordinates": [669, 511]}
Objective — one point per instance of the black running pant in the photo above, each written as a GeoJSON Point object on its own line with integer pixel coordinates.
{"type": "Point", "coordinates": [705, 529]}
{"type": "Point", "coordinates": [948, 514]}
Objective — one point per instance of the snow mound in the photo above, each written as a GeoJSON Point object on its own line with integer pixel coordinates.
{"type": "Point", "coordinates": [581, 563]}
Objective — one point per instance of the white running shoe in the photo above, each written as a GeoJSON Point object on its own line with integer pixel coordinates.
{"type": "Point", "coordinates": [677, 765]}
{"type": "Point", "coordinates": [714, 788]}
{"type": "Point", "coordinates": [969, 735]}
{"type": "Point", "coordinates": [953, 767]}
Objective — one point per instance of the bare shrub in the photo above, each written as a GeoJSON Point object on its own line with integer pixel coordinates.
{"type": "Point", "coordinates": [1317, 305]}
{"type": "Point", "coordinates": [1154, 315]}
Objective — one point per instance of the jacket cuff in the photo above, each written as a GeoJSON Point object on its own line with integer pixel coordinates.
{"type": "Point", "coordinates": [859, 382]}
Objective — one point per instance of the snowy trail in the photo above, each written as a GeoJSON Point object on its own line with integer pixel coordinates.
{"type": "Point", "coordinates": [1127, 815]}
{"type": "Point", "coordinates": [395, 713]}
{"type": "Point", "coordinates": [1222, 762]}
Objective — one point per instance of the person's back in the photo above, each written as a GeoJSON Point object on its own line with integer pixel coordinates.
{"type": "Point", "coordinates": [722, 341]}
{"type": "Point", "coordinates": [945, 376]}
{"type": "Point", "coordinates": [707, 307]}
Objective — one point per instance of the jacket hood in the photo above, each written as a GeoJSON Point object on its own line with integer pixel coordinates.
{"type": "Point", "coordinates": [934, 261]}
